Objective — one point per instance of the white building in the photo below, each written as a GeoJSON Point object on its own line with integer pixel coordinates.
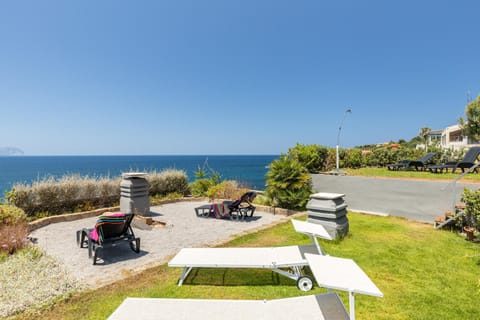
{"type": "Point", "coordinates": [451, 138]}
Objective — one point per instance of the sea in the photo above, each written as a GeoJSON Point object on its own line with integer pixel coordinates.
{"type": "Point", "coordinates": [249, 170]}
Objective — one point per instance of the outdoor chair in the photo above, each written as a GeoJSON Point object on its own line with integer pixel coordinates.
{"type": "Point", "coordinates": [287, 261]}
{"type": "Point", "coordinates": [235, 210]}
{"type": "Point", "coordinates": [243, 206]}
{"type": "Point", "coordinates": [109, 230]}
{"type": "Point", "coordinates": [419, 164]}
{"type": "Point", "coordinates": [467, 162]}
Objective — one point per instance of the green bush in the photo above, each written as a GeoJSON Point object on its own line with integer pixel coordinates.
{"type": "Point", "coordinates": [471, 215]}
{"type": "Point", "coordinates": [11, 215]}
{"type": "Point", "coordinates": [313, 157]}
{"type": "Point", "coordinates": [317, 158]}
{"type": "Point", "coordinates": [204, 180]}
{"type": "Point", "coordinates": [288, 183]}
{"type": "Point", "coordinates": [353, 158]}
{"type": "Point", "coordinates": [168, 181]}
{"type": "Point", "coordinates": [264, 200]}
{"type": "Point", "coordinates": [200, 187]}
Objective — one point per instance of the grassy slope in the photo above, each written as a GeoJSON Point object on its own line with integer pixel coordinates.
{"type": "Point", "coordinates": [423, 273]}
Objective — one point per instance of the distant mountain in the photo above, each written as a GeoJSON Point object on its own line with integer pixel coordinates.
{"type": "Point", "coordinates": [10, 151]}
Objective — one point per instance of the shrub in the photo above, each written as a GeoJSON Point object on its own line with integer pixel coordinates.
{"type": "Point", "coordinates": [67, 194]}
{"type": "Point", "coordinates": [168, 181]}
{"type": "Point", "coordinates": [451, 155]}
{"type": "Point", "coordinates": [353, 158]}
{"type": "Point", "coordinates": [288, 183]}
{"type": "Point", "coordinates": [13, 229]}
{"type": "Point", "coordinates": [200, 187]}
{"type": "Point", "coordinates": [471, 214]}
{"type": "Point", "coordinates": [227, 189]}
{"type": "Point", "coordinates": [204, 180]}
{"type": "Point", "coordinates": [263, 199]}
{"type": "Point", "coordinates": [13, 237]}
{"type": "Point", "coordinates": [330, 162]}
{"type": "Point", "coordinates": [11, 215]}
{"type": "Point", "coordinates": [313, 157]}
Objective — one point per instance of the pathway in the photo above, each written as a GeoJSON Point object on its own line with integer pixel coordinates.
{"type": "Point", "coordinates": [420, 200]}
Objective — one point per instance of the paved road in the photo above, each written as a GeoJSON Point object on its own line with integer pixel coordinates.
{"type": "Point", "coordinates": [419, 200]}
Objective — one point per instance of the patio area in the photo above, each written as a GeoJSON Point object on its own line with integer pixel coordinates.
{"type": "Point", "coordinates": [183, 229]}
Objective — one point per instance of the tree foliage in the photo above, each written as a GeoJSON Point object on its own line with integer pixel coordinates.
{"type": "Point", "coordinates": [313, 157]}
{"type": "Point", "coordinates": [471, 125]}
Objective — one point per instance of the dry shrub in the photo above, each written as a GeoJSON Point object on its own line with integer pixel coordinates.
{"type": "Point", "coordinates": [13, 237]}
{"type": "Point", "coordinates": [66, 194]}
{"type": "Point", "coordinates": [227, 189]}
{"type": "Point", "coordinates": [72, 193]}
{"type": "Point", "coordinates": [168, 181]}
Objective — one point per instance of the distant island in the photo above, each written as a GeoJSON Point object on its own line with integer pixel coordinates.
{"type": "Point", "coordinates": [10, 151]}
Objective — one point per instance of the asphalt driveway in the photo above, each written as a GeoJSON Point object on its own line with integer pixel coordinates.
{"type": "Point", "coordinates": [420, 200]}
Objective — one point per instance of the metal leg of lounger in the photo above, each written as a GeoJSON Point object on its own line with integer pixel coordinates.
{"type": "Point", "coordinates": [292, 275]}
{"type": "Point", "coordinates": [297, 275]}
{"type": "Point", "coordinates": [184, 275]}
{"type": "Point", "coordinates": [351, 301]}
{"type": "Point", "coordinates": [315, 241]}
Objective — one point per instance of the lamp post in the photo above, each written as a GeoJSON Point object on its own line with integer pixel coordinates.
{"type": "Point", "coordinates": [337, 170]}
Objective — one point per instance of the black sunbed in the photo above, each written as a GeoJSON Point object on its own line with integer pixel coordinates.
{"type": "Point", "coordinates": [467, 162]}
{"type": "Point", "coordinates": [108, 230]}
{"type": "Point", "coordinates": [419, 164]}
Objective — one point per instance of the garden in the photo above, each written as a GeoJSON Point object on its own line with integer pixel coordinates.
{"type": "Point", "coordinates": [420, 270]}
{"type": "Point", "coordinates": [423, 274]}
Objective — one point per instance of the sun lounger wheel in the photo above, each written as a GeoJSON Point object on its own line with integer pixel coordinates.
{"type": "Point", "coordinates": [305, 283]}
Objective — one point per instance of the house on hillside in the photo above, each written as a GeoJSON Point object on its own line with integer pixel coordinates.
{"type": "Point", "coordinates": [451, 138]}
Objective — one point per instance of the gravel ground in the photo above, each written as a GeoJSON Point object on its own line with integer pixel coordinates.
{"type": "Point", "coordinates": [183, 229]}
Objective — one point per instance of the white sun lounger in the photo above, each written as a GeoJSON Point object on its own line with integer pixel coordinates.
{"type": "Point", "coordinates": [275, 258]}
{"type": "Point", "coordinates": [342, 274]}
{"type": "Point", "coordinates": [321, 307]}
{"type": "Point", "coordinates": [329, 272]}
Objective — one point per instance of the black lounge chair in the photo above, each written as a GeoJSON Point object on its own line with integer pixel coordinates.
{"type": "Point", "coordinates": [419, 164]}
{"type": "Point", "coordinates": [467, 162]}
{"type": "Point", "coordinates": [243, 206]}
{"type": "Point", "coordinates": [108, 230]}
{"type": "Point", "coordinates": [235, 210]}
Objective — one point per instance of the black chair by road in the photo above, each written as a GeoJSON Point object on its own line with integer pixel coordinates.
{"type": "Point", "coordinates": [419, 164]}
{"type": "Point", "coordinates": [467, 162]}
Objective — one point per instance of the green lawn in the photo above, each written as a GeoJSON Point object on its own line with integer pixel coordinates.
{"type": "Point", "coordinates": [423, 273]}
{"type": "Point", "coordinates": [384, 172]}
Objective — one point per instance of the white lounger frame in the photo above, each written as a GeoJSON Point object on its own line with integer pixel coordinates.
{"type": "Point", "coordinates": [275, 258]}
{"type": "Point", "coordinates": [322, 307]}
{"type": "Point", "coordinates": [329, 272]}
{"type": "Point", "coordinates": [342, 274]}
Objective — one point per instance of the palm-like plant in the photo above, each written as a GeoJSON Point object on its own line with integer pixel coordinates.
{"type": "Point", "coordinates": [288, 183]}
{"type": "Point", "coordinates": [424, 135]}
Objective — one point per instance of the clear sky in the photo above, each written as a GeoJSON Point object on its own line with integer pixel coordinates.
{"type": "Point", "coordinates": [228, 76]}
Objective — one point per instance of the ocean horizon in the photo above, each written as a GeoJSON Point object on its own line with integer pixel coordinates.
{"type": "Point", "coordinates": [249, 170]}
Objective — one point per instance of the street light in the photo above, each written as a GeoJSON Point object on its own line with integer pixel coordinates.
{"type": "Point", "coordinates": [337, 170]}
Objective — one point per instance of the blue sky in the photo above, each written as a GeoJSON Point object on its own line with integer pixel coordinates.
{"type": "Point", "coordinates": [230, 77]}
